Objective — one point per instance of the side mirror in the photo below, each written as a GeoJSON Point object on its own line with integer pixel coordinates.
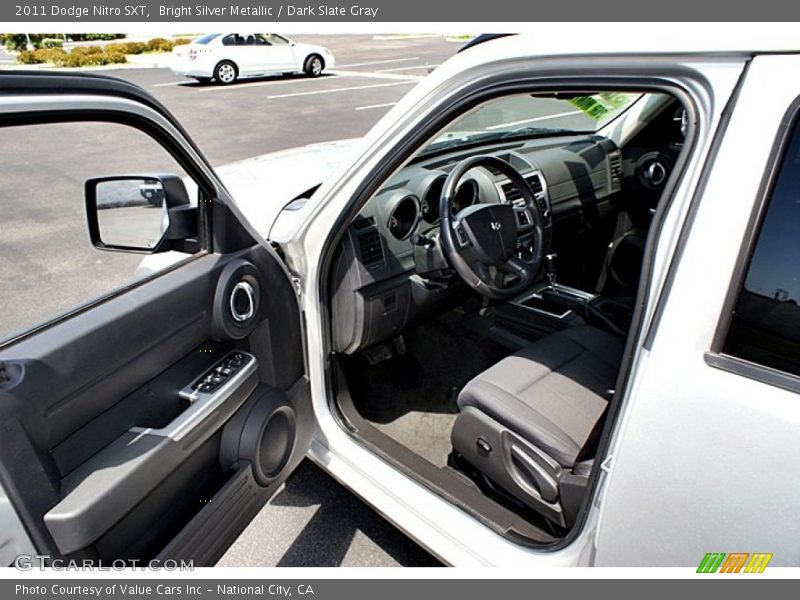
{"type": "Point", "coordinates": [139, 213]}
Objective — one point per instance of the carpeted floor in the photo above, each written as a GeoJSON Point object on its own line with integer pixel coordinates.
{"type": "Point", "coordinates": [412, 397]}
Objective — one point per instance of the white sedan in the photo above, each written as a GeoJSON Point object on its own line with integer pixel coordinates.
{"type": "Point", "coordinates": [227, 57]}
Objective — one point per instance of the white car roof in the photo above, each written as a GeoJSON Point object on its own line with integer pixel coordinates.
{"type": "Point", "coordinates": [584, 40]}
{"type": "Point", "coordinates": [570, 39]}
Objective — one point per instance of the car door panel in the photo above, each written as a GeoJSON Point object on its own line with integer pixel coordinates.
{"type": "Point", "coordinates": [95, 425]}
{"type": "Point", "coordinates": [107, 451]}
{"type": "Point", "coordinates": [252, 59]}
{"type": "Point", "coordinates": [683, 432]}
{"type": "Point", "coordinates": [281, 57]}
{"type": "Point", "coordinates": [272, 57]}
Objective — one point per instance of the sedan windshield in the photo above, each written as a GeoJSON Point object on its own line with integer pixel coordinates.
{"type": "Point", "coordinates": [526, 115]}
{"type": "Point", "coordinates": [206, 38]}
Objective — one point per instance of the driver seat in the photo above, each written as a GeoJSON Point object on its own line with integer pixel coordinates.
{"type": "Point", "coordinates": [529, 424]}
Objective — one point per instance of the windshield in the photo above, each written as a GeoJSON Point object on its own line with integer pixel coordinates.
{"type": "Point", "coordinates": [526, 115]}
{"type": "Point", "coordinates": [206, 38]}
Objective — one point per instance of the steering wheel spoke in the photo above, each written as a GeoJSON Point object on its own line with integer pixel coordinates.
{"type": "Point", "coordinates": [490, 275]}
{"type": "Point", "coordinates": [524, 219]}
{"type": "Point", "coordinates": [516, 266]}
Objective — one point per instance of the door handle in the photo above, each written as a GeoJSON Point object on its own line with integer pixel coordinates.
{"type": "Point", "coordinates": [204, 398]}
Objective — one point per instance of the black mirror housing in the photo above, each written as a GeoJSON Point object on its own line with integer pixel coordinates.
{"type": "Point", "coordinates": [143, 213]}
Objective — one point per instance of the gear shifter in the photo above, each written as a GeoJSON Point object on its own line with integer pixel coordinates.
{"type": "Point", "coordinates": [550, 270]}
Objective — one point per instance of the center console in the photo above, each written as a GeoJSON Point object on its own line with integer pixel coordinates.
{"type": "Point", "coordinates": [549, 306]}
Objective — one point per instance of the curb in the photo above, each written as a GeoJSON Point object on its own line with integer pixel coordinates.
{"type": "Point", "coordinates": [48, 67]}
{"type": "Point", "coordinates": [134, 62]}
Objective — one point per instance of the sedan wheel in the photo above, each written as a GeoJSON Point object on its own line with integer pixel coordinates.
{"type": "Point", "coordinates": [314, 66]}
{"type": "Point", "coordinates": [225, 73]}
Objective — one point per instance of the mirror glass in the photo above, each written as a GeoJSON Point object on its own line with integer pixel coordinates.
{"type": "Point", "coordinates": [131, 212]}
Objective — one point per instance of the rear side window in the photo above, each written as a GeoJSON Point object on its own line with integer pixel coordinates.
{"type": "Point", "coordinates": [233, 39]}
{"type": "Point", "coordinates": [765, 324]}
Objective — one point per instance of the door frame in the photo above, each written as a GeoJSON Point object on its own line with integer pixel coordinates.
{"type": "Point", "coordinates": [423, 112]}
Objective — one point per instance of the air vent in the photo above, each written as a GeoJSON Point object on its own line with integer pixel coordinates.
{"type": "Point", "coordinates": [362, 222]}
{"type": "Point", "coordinates": [615, 166]}
{"type": "Point", "coordinates": [370, 248]}
{"type": "Point", "coordinates": [536, 184]}
{"type": "Point", "coordinates": [512, 194]}
{"type": "Point", "coordinates": [404, 217]}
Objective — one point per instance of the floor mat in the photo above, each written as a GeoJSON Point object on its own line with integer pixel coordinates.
{"type": "Point", "coordinates": [426, 433]}
{"type": "Point", "coordinates": [412, 397]}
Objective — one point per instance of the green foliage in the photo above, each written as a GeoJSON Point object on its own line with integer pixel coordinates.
{"type": "Point", "coordinates": [94, 37]}
{"type": "Point", "coordinates": [18, 41]}
{"type": "Point", "coordinates": [135, 47]}
{"type": "Point", "coordinates": [128, 47]}
{"type": "Point", "coordinates": [86, 50]}
{"type": "Point", "coordinates": [84, 57]}
{"type": "Point", "coordinates": [55, 56]}
{"type": "Point", "coordinates": [51, 43]}
{"type": "Point", "coordinates": [27, 57]}
{"type": "Point", "coordinates": [95, 59]}
{"type": "Point", "coordinates": [160, 45]}
{"type": "Point", "coordinates": [49, 49]}
{"type": "Point", "coordinates": [115, 58]}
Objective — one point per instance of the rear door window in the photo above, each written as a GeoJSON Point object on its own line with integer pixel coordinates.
{"type": "Point", "coordinates": [765, 324]}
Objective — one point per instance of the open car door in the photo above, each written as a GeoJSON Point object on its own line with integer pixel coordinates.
{"type": "Point", "coordinates": [154, 421]}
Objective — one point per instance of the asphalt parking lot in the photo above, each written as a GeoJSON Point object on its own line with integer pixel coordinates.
{"type": "Point", "coordinates": [46, 166]}
{"type": "Point", "coordinates": [314, 521]}
{"type": "Point", "coordinates": [254, 117]}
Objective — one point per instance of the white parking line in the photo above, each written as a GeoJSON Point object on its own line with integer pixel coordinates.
{"type": "Point", "coordinates": [259, 82]}
{"type": "Point", "coordinates": [181, 82]}
{"type": "Point", "coordinates": [378, 62]}
{"type": "Point", "coordinates": [345, 89]}
{"type": "Point", "coordinates": [377, 75]}
{"type": "Point", "coordinates": [368, 107]}
{"type": "Point", "coordinates": [534, 119]}
{"type": "Point", "coordinates": [407, 68]}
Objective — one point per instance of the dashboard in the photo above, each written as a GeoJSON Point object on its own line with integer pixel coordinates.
{"type": "Point", "coordinates": [388, 275]}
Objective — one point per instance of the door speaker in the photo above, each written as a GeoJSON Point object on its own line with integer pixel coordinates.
{"type": "Point", "coordinates": [237, 301]}
{"type": "Point", "coordinates": [264, 434]}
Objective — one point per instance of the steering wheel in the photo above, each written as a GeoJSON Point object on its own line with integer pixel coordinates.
{"type": "Point", "coordinates": [481, 240]}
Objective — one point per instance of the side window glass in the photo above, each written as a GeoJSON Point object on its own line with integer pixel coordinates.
{"type": "Point", "coordinates": [765, 325]}
{"type": "Point", "coordinates": [275, 40]}
{"type": "Point", "coordinates": [49, 264]}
